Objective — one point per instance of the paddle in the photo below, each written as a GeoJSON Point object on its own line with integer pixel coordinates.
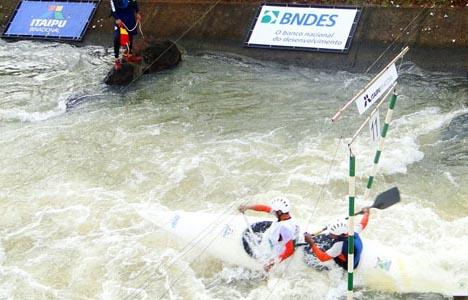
{"type": "Point", "coordinates": [385, 199]}
{"type": "Point", "coordinates": [382, 201]}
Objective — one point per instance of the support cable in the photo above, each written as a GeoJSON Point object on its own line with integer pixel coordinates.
{"type": "Point", "coordinates": [192, 245]}
{"type": "Point", "coordinates": [187, 248]}
{"type": "Point", "coordinates": [394, 41]}
{"type": "Point", "coordinates": [182, 273]}
{"type": "Point", "coordinates": [202, 251]}
{"type": "Point", "coordinates": [314, 210]}
{"type": "Point", "coordinates": [175, 42]}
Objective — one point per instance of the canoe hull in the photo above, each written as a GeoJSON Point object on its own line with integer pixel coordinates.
{"type": "Point", "coordinates": [220, 235]}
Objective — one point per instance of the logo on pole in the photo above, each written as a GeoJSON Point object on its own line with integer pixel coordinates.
{"type": "Point", "coordinates": [377, 89]}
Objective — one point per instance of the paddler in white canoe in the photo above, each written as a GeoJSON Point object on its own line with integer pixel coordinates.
{"type": "Point", "coordinates": [283, 233]}
{"type": "Point", "coordinates": [338, 250]}
{"type": "Point", "coordinates": [228, 237]}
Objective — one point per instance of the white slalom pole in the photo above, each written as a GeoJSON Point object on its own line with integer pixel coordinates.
{"type": "Point", "coordinates": [383, 135]}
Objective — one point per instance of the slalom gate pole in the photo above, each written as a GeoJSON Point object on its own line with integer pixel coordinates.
{"type": "Point", "coordinates": [352, 195]}
{"type": "Point", "coordinates": [388, 119]}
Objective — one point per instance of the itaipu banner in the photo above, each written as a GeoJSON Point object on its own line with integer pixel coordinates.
{"type": "Point", "coordinates": [328, 29]}
{"type": "Point", "coordinates": [51, 19]}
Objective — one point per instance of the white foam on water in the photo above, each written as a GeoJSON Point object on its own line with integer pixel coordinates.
{"type": "Point", "coordinates": [16, 114]}
{"type": "Point", "coordinates": [18, 284]}
{"type": "Point", "coordinates": [433, 245]}
{"type": "Point", "coordinates": [2, 253]}
{"type": "Point", "coordinates": [38, 85]}
{"type": "Point", "coordinates": [319, 161]}
{"type": "Point", "coordinates": [401, 145]}
{"type": "Point", "coordinates": [69, 232]}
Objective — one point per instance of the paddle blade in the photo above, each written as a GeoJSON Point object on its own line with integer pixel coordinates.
{"type": "Point", "coordinates": [387, 198]}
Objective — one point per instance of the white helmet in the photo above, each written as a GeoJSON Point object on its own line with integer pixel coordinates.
{"type": "Point", "coordinates": [280, 203]}
{"type": "Point", "coordinates": [338, 228]}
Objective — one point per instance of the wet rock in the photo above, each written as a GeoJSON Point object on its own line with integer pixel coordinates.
{"type": "Point", "coordinates": [160, 55]}
{"type": "Point", "coordinates": [156, 56]}
{"type": "Point", "coordinates": [124, 76]}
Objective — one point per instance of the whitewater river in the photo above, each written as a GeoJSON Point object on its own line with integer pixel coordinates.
{"type": "Point", "coordinates": [208, 135]}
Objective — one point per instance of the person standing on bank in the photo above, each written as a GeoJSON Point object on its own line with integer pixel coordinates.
{"type": "Point", "coordinates": [126, 15]}
{"type": "Point", "coordinates": [283, 231]}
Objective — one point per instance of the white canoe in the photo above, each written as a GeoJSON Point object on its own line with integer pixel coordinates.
{"type": "Point", "coordinates": [220, 235]}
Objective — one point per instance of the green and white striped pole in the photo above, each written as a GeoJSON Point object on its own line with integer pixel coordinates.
{"type": "Point", "coordinates": [388, 119]}
{"type": "Point", "coordinates": [352, 195]}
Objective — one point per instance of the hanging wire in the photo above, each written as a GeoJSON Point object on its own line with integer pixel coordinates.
{"type": "Point", "coordinates": [124, 89]}
{"type": "Point", "coordinates": [202, 250]}
{"type": "Point", "coordinates": [183, 273]}
{"type": "Point", "coordinates": [192, 244]}
{"type": "Point", "coordinates": [394, 41]}
{"type": "Point", "coordinates": [322, 189]}
{"type": "Point", "coordinates": [320, 198]}
{"type": "Point", "coordinates": [341, 138]}
{"type": "Point", "coordinates": [314, 210]}
{"type": "Point", "coordinates": [398, 65]}
{"type": "Point", "coordinates": [207, 230]}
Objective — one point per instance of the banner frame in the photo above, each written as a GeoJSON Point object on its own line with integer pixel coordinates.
{"type": "Point", "coordinates": [50, 37]}
{"type": "Point", "coordinates": [308, 49]}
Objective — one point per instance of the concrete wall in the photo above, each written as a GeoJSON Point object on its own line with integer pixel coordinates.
{"type": "Point", "coordinates": [437, 36]}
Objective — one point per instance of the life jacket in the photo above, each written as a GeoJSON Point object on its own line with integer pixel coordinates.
{"type": "Point", "coordinates": [124, 39]}
{"type": "Point", "coordinates": [343, 257]}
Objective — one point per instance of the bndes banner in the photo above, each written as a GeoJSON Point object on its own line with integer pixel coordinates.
{"type": "Point", "coordinates": [304, 28]}
{"type": "Point", "coordinates": [50, 19]}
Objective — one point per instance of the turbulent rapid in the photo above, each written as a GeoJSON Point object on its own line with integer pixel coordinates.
{"type": "Point", "coordinates": [215, 132]}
